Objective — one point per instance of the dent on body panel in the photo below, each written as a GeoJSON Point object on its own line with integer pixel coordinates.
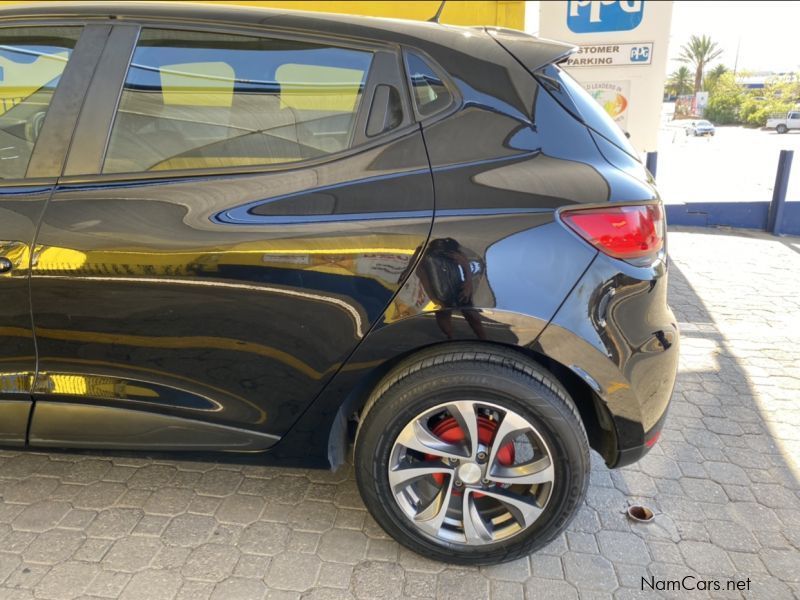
{"type": "Point", "coordinates": [625, 341]}
{"type": "Point", "coordinates": [492, 270]}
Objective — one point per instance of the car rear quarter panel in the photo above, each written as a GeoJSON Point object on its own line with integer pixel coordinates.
{"type": "Point", "coordinates": [498, 263]}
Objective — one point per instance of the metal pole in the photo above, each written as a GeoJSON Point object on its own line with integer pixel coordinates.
{"type": "Point", "coordinates": [652, 163]}
{"type": "Point", "coordinates": [779, 192]}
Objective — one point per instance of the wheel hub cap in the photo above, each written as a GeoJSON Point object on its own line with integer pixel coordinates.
{"type": "Point", "coordinates": [470, 473]}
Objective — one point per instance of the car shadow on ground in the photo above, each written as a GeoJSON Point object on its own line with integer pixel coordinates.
{"type": "Point", "coordinates": [720, 480]}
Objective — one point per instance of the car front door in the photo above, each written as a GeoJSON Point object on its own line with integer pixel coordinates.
{"type": "Point", "coordinates": [793, 122]}
{"type": "Point", "coordinates": [44, 73]}
{"type": "Point", "coordinates": [236, 211]}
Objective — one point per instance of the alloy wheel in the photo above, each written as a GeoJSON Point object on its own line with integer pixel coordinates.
{"type": "Point", "coordinates": [471, 472]}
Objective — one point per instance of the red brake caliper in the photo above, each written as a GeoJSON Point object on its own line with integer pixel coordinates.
{"type": "Point", "coordinates": [448, 430]}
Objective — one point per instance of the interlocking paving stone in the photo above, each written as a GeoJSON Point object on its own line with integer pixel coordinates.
{"type": "Point", "coordinates": [377, 580]}
{"type": "Point", "coordinates": [132, 553]}
{"type": "Point", "coordinates": [590, 571]}
{"type": "Point", "coordinates": [67, 580]}
{"type": "Point", "coordinates": [723, 482]}
{"type": "Point", "coordinates": [293, 571]}
{"type": "Point", "coordinates": [238, 588]}
{"type": "Point", "coordinates": [452, 584]}
{"type": "Point", "coordinates": [153, 584]}
{"type": "Point", "coordinates": [114, 523]}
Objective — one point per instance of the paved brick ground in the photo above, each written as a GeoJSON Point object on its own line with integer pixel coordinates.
{"type": "Point", "coordinates": [724, 481]}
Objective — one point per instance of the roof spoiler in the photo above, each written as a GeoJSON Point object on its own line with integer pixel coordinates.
{"type": "Point", "coordinates": [531, 51]}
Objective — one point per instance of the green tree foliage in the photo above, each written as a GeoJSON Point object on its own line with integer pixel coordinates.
{"type": "Point", "coordinates": [725, 101]}
{"type": "Point", "coordinates": [699, 52]}
{"type": "Point", "coordinates": [779, 96]}
{"type": "Point", "coordinates": [679, 82]}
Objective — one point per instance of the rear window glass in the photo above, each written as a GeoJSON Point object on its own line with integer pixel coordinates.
{"type": "Point", "coordinates": [203, 100]}
{"type": "Point", "coordinates": [430, 93]}
{"type": "Point", "coordinates": [578, 101]}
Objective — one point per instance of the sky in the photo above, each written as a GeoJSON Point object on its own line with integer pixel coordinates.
{"type": "Point", "coordinates": [767, 32]}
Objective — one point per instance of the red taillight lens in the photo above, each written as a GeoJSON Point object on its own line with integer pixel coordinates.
{"type": "Point", "coordinates": [620, 231]}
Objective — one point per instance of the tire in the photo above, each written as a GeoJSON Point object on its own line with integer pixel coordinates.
{"type": "Point", "coordinates": [782, 128]}
{"type": "Point", "coordinates": [493, 379]}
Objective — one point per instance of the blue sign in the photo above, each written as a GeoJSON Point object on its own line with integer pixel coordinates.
{"type": "Point", "coordinates": [593, 16]}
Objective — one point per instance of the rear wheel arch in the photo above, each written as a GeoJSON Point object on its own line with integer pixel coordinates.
{"type": "Point", "coordinates": [593, 412]}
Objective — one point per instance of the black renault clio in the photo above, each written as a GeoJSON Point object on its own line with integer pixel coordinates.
{"type": "Point", "coordinates": [272, 232]}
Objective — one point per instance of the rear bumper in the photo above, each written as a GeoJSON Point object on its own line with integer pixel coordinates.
{"type": "Point", "coordinates": [618, 334]}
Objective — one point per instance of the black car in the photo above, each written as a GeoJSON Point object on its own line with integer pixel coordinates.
{"type": "Point", "coordinates": [265, 232]}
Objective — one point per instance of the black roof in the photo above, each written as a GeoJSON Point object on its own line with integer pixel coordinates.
{"type": "Point", "coordinates": [421, 33]}
{"type": "Point", "coordinates": [224, 13]}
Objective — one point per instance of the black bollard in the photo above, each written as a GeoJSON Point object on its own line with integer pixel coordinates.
{"type": "Point", "coordinates": [779, 192]}
{"type": "Point", "coordinates": [652, 163]}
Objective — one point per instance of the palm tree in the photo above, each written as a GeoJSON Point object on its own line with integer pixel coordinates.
{"type": "Point", "coordinates": [680, 81]}
{"type": "Point", "coordinates": [699, 52]}
{"type": "Point", "coordinates": [712, 77]}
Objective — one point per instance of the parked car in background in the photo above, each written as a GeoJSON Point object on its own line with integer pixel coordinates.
{"type": "Point", "coordinates": [220, 234]}
{"type": "Point", "coordinates": [783, 123]}
{"type": "Point", "coordinates": [700, 128]}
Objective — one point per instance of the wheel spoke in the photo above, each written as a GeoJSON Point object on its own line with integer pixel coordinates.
{"type": "Point", "coordinates": [510, 425]}
{"type": "Point", "coordinates": [402, 475]}
{"type": "Point", "coordinates": [538, 471]}
{"type": "Point", "coordinates": [430, 518]}
{"type": "Point", "coordinates": [475, 530]}
{"type": "Point", "coordinates": [415, 436]}
{"type": "Point", "coordinates": [525, 511]}
{"type": "Point", "coordinates": [464, 412]}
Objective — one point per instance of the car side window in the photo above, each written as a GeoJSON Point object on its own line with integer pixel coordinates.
{"type": "Point", "coordinates": [794, 115]}
{"type": "Point", "coordinates": [197, 100]}
{"type": "Point", "coordinates": [32, 60]}
{"type": "Point", "coordinates": [429, 90]}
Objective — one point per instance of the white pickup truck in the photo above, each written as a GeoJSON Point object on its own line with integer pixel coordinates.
{"type": "Point", "coordinates": [784, 124]}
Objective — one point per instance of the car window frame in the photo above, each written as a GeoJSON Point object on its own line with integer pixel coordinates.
{"type": "Point", "coordinates": [86, 166]}
{"type": "Point", "coordinates": [52, 145]}
{"type": "Point", "coordinates": [456, 100]}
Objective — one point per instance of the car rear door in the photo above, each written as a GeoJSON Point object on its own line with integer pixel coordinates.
{"type": "Point", "coordinates": [237, 209]}
{"type": "Point", "coordinates": [44, 72]}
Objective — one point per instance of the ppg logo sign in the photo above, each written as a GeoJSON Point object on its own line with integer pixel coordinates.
{"type": "Point", "coordinates": [591, 16]}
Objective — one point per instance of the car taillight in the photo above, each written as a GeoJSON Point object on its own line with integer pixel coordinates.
{"type": "Point", "coordinates": [624, 232]}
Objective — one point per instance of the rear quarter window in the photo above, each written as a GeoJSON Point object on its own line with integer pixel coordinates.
{"type": "Point", "coordinates": [427, 85]}
{"type": "Point", "coordinates": [571, 95]}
